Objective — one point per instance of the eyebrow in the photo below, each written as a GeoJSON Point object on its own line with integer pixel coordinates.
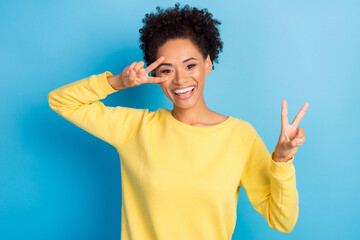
{"type": "Point", "coordinates": [169, 64]}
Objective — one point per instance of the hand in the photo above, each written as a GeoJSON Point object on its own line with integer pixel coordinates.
{"type": "Point", "coordinates": [291, 137]}
{"type": "Point", "coordinates": [135, 74]}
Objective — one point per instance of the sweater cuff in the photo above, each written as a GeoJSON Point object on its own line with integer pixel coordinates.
{"type": "Point", "coordinates": [102, 85]}
{"type": "Point", "coordinates": [282, 169]}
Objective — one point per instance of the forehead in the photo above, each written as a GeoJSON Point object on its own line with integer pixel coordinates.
{"type": "Point", "coordinates": [178, 50]}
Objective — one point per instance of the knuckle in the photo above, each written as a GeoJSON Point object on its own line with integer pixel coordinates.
{"type": "Point", "coordinates": [132, 65]}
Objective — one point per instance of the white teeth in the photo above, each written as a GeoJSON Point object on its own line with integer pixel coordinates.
{"type": "Point", "coordinates": [184, 90]}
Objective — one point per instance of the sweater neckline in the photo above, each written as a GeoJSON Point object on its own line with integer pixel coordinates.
{"type": "Point", "coordinates": [186, 126]}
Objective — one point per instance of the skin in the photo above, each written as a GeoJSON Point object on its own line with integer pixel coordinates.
{"type": "Point", "coordinates": [173, 69]}
{"type": "Point", "coordinates": [291, 137]}
{"type": "Point", "coordinates": [183, 72]}
{"type": "Point", "coordinates": [170, 72]}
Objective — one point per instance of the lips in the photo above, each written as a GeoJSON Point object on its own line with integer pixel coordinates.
{"type": "Point", "coordinates": [185, 95]}
{"type": "Point", "coordinates": [183, 87]}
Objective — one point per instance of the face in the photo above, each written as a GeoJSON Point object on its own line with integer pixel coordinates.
{"type": "Point", "coordinates": [185, 67]}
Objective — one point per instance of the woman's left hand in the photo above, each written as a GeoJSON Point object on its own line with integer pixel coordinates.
{"type": "Point", "coordinates": [291, 137]}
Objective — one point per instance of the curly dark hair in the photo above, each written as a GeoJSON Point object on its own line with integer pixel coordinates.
{"type": "Point", "coordinates": [174, 23]}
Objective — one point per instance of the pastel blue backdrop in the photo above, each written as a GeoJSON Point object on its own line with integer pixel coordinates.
{"type": "Point", "coordinates": [59, 182]}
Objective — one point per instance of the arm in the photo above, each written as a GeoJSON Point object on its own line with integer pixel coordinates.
{"type": "Point", "coordinates": [271, 186]}
{"type": "Point", "coordinates": [78, 102]}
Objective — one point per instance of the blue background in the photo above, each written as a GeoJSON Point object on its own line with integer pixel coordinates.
{"type": "Point", "coordinates": [59, 182]}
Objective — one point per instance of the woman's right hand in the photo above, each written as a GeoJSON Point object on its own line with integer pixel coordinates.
{"type": "Point", "coordinates": [135, 74]}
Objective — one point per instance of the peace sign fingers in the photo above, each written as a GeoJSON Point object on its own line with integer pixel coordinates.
{"type": "Point", "coordinates": [154, 64]}
{"type": "Point", "coordinates": [284, 114]}
{"type": "Point", "coordinates": [300, 115]}
{"type": "Point", "coordinates": [156, 79]}
{"type": "Point", "coordinates": [291, 137]}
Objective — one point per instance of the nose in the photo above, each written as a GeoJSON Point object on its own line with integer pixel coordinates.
{"type": "Point", "coordinates": [180, 77]}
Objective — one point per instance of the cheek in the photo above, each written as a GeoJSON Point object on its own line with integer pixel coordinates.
{"type": "Point", "coordinates": [165, 86]}
{"type": "Point", "coordinates": [200, 76]}
{"type": "Point", "coordinates": [200, 72]}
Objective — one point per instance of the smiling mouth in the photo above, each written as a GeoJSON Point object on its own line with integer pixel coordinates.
{"type": "Point", "coordinates": [184, 95]}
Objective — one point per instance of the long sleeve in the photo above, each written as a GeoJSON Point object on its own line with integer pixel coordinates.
{"type": "Point", "coordinates": [78, 102]}
{"type": "Point", "coordinates": [271, 186]}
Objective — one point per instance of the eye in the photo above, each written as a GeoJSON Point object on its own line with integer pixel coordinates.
{"type": "Point", "coordinates": [166, 71]}
{"type": "Point", "coordinates": [192, 65]}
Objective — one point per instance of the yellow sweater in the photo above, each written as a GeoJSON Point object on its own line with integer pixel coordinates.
{"type": "Point", "coordinates": [181, 181]}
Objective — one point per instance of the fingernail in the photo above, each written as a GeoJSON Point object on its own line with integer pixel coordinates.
{"type": "Point", "coordinates": [127, 71]}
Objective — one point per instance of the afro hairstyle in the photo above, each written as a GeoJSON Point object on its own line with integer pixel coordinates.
{"type": "Point", "coordinates": [175, 23]}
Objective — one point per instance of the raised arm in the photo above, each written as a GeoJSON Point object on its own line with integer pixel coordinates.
{"type": "Point", "coordinates": [79, 102]}
{"type": "Point", "coordinates": [271, 186]}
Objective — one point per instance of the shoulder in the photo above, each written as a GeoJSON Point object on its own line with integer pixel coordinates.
{"type": "Point", "coordinates": [245, 130]}
{"type": "Point", "coordinates": [243, 126]}
{"type": "Point", "coordinates": [157, 116]}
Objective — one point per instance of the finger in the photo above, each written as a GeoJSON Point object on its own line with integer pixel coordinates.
{"type": "Point", "coordinates": [131, 67]}
{"type": "Point", "coordinates": [284, 114]}
{"type": "Point", "coordinates": [286, 136]}
{"type": "Point", "coordinates": [154, 64]}
{"type": "Point", "coordinates": [139, 65]}
{"type": "Point", "coordinates": [296, 142]}
{"type": "Point", "coordinates": [299, 138]}
{"type": "Point", "coordinates": [300, 115]}
{"type": "Point", "coordinates": [126, 70]}
{"type": "Point", "coordinates": [300, 132]}
{"type": "Point", "coordinates": [132, 75]}
{"type": "Point", "coordinates": [157, 79]}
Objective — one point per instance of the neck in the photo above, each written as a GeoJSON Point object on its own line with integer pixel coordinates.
{"type": "Point", "coordinates": [193, 115]}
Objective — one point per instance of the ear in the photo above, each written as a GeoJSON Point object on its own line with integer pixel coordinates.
{"type": "Point", "coordinates": [208, 65]}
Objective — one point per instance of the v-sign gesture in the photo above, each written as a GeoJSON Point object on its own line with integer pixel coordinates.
{"type": "Point", "coordinates": [291, 137]}
{"type": "Point", "coordinates": [135, 75]}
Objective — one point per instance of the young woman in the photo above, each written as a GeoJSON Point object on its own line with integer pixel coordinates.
{"type": "Point", "coordinates": [182, 170]}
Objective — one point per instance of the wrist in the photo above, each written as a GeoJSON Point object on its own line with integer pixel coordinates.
{"type": "Point", "coordinates": [116, 82]}
{"type": "Point", "coordinates": [277, 158]}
